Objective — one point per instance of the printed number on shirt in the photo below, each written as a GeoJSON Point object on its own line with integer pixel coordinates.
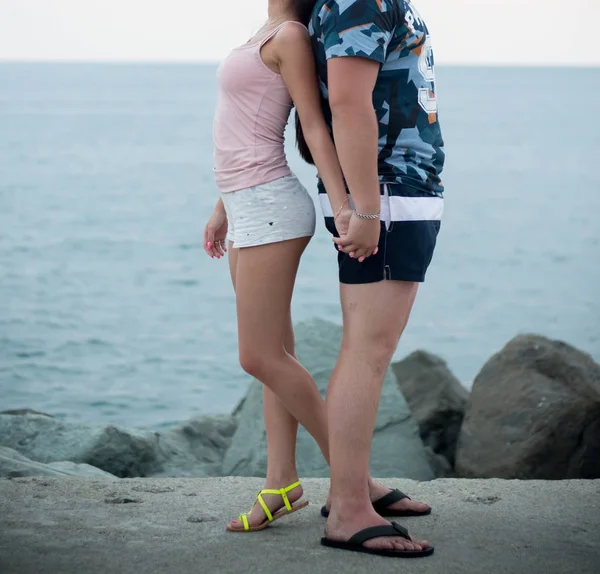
{"type": "Point", "coordinates": [427, 98]}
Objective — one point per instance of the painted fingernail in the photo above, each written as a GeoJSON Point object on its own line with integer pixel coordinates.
{"type": "Point", "coordinates": [209, 244]}
{"type": "Point", "coordinates": [376, 251]}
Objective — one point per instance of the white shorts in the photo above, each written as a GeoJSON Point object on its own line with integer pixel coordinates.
{"type": "Point", "coordinates": [276, 211]}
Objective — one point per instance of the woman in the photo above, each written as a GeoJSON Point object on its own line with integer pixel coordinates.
{"type": "Point", "coordinates": [270, 219]}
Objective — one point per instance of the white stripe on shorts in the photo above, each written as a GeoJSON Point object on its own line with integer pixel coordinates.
{"type": "Point", "coordinates": [398, 208]}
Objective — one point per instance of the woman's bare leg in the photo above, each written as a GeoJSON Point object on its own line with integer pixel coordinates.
{"type": "Point", "coordinates": [281, 428]}
{"type": "Point", "coordinates": [265, 278]}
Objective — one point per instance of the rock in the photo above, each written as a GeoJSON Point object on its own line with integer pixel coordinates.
{"type": "Point", "coordinates": [436, 398]}
{"type": "Point", "coordinates": [24, 412]}
{"type": "Point", "coordinates": [74, 469]}
{"type": "Point", "coordinates": [201, 519]}
{"type": "Point", "coordinates": [153, 489]}
{"type": "Point", "coordinates": [14, 464]}
{"type": "Point", "coordinates": [124, 453]}
{"type": "Point", "coordinates": [194, 449]}
{"type": "Point", "coordinates": [533, 413]}
{"type": "Point", "coordinates": [247, 454]}
{"type": "Point", "coordinates": [439, 464]}
{"type": "Point", "coordinates": [397, 449]}
{"type": "Point", "coordinates": [122, 500]}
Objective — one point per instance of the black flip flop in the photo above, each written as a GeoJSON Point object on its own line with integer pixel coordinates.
{"type": "Point", "coordinates": [382, 506]}
{"type": "Point", "coordinates": [355, 544]}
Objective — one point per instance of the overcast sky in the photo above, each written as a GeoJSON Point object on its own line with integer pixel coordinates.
{"type": "Point", "coordinates": [463, 31]}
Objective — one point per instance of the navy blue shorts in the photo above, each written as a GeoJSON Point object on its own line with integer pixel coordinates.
{"type": "Point", "coordinates": [410, 223]}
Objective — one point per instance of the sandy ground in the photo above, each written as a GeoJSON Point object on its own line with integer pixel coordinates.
{"type": "Point", "coordinates": [88, 526]}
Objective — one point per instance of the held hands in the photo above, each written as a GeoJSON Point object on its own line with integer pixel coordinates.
{"type": "Point", "coordinates": [342, 220]}
{"type": "Point", "coordinates": [361, 236]}
{"type": "Point", "coordinates": [215, 233]}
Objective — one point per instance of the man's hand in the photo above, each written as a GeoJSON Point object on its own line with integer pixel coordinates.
{"type": "Point", "coordinates": [215, 233]}
{"type": "Point", "coordinates": [362, 238]}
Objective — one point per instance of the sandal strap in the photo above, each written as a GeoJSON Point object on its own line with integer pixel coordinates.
{"type": "Point", "coordinates": [388, 499]}
{"type": "Point", "coordinates": [291, 487]}
{"type": "Point", "coordinates": [283, 492]}
{"type": "Point", "coordinates": [393, 529]}
{"type": "Point", "coordinates": [244, 520]}
{"type": "Point", "coordinates": [286, 500]}
{"type": "Point", "coordinates": [263, 504]}
{"type": "Point", "coordinates": [280, 492]}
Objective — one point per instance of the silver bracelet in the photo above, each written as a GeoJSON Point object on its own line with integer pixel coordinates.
{"type": "Point", "coordinates": [367, 215]}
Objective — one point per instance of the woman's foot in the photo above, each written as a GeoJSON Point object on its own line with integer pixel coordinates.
{"type": "Point", "coordinates": [274, 502]}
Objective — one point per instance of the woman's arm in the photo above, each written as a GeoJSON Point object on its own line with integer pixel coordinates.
{"type": "Point", "coordinates": [215, 232]}
{"type": "Point", "coordinates": [297, 67]}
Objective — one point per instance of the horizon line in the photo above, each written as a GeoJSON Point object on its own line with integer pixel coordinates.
{"type": "Point", "coordinates": [184, 62]}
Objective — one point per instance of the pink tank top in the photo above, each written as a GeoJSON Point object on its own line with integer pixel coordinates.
{"type": "Point", "coordinates": [252, 112]}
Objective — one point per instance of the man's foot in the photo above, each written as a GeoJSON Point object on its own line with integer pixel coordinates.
{"type": "Point", "coordinates": [274, 502]}
{"type": "Point", "coordinates": [378, 491]}
{"type": "Point", "coordinates": [343, 528]}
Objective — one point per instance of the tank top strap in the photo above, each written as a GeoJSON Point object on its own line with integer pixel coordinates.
{"type": "Point", "coordinates": [274, 32]}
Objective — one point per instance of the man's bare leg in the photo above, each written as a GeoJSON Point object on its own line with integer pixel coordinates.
{"type": "Point", "coordinates": [374, 316]}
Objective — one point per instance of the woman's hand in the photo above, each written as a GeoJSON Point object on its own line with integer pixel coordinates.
{"type": "Point", "coordinates": [362, 238]}
{"type": "Point", "coordinates": [215, 233]}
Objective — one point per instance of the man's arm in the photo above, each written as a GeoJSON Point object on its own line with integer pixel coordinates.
{"type": "Point", "coordinates": [356, 39]}
{"type": "Point", "coordinates": [356, 133]}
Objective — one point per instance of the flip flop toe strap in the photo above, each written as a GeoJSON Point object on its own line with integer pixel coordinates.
{"type": "Point", "coordinates": [390, 498]}
{"type": "Point", "coordinates": [393, 530]}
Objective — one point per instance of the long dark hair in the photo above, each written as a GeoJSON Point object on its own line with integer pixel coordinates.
{"type": "Point", "coordinates": [303, 10]}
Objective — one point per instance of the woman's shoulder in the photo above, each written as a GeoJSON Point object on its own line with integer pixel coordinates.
{"type": "Point", "coordinates": [292, 32]}
{"type": "Point", "coordinates": [291, 41]}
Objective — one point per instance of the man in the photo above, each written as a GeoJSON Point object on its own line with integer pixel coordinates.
{"type": "Point", "coordinates": [376, 69]}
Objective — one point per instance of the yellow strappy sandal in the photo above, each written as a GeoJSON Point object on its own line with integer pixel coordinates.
{"type": "Point", "coordinates": [288, 509]}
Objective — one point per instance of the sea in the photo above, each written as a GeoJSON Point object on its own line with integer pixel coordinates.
{"type": "Point", "coordinates": [110, 311]}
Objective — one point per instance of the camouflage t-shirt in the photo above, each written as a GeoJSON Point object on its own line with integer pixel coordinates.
{"type": "Point", "coordinates": [391, 32]}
